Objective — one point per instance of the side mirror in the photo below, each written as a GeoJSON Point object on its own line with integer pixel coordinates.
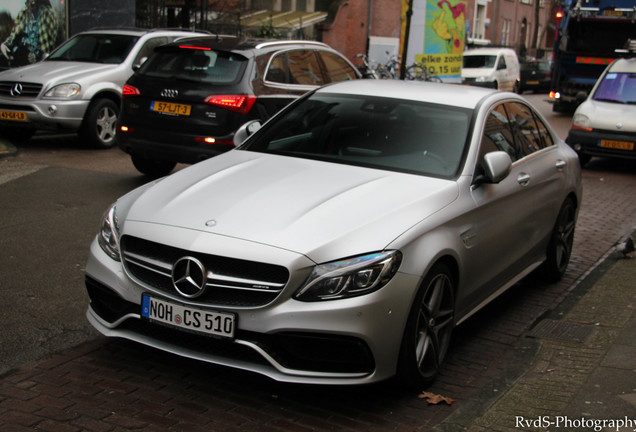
{"type": "Point", "coordinates": [245, 131]}
{"type": "Point", "coordinates": [496, 166]}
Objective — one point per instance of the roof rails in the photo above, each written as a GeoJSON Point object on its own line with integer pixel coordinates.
{"type": "Point", "coordinates": [286, 42]}
{"type": "Point", "coordinates": [629, 50]}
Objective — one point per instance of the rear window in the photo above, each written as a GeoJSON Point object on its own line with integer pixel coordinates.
{"type": "Point", "coordinates": [192, 64]}
{"type": "Point", "coordinates": [617, 87]}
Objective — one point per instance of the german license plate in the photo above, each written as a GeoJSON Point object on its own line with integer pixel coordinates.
{"type": "Point", "coordinates": [188, 318]}
{"type": "Point", "coordinates": [618, 145]}
{"type": "Point", "coordinates": [13, 115]}
{"type": "Point", "coordinates": [170, 108]}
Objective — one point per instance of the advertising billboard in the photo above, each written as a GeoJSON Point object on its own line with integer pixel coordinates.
{"type": "Point", "coordinates": [29, 30]}
{"type": "Point", "coordinates": [436, 36]}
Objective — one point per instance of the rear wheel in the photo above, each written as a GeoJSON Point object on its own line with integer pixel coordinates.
{"type": "Point", "coordinates": [100, 124]}
{"type": "Point", "coordinates": [429, 327]}
{"type": "Point", "coordinates": [152, 167]}
{"type": "Point", "coordinates": [560, 247]}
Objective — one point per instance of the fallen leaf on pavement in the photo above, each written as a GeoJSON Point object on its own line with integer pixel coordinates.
{"type": "Point", "coordinates": [435, 399]}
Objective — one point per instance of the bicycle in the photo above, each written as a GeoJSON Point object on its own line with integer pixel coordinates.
{"type": "Point", "coordinates": [419, 72]}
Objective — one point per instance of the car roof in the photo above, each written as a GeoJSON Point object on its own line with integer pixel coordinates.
{"type": "Point", "coordinates": [444, 94]}
{"type": "Point", "coordinates": [487, 51]}
{"type": "Point", "coordinates": [234, 43]}
{"type": "Point", "coordinates": [136, 31]}
{"type": "Point", "coordinates": [624, 65]}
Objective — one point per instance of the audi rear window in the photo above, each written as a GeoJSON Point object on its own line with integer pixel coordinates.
{"type": "Point", "coordinates": [195, 64]}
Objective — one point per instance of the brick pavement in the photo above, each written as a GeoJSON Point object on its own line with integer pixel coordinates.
{"type": "Point", "coordinates": [110, 385]}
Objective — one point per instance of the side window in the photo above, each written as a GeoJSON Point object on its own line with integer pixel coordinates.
{"type": "Point", "coordinates": [304, 68]}
{"type": "Point", "coordinates": [148, 48]}
{"type": "Point", "coordinates": [502, 63]}
{"type": "Point", "coordinates": [337, 69]}
{"type": "Point", "coordinates": [544, 135]}
{"type": "Point", "coordinates": [278, 71]}
{"type": "Point", "coordinates": [525, 129]}
{"type": "Point", "coordinates": [498, 134]}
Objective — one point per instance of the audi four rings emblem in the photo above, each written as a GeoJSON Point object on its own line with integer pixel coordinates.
{"type": "Point", "coordinates": [171, 93]}
{"type": "Point", "coordinates": [16, 90]}
{"type": "Point", "coordinates": [189, 277]}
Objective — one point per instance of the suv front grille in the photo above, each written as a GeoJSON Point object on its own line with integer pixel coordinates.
{"type": "Point", "coordinates": [230, 282]}
{"type": "Point", "coordinates": [19, 89]}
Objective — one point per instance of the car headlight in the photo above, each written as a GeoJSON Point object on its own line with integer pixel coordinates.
{"type": "Point", "coordinates": [350, 277]}
{"type": "Point", "coordinates": [67, 90]}
{"type": "Point", "coordinates": [581, 122]}
{"type": "Point", "coordinates": [483, 79]}
{"type": "Point", "coordinates": [108, 236]}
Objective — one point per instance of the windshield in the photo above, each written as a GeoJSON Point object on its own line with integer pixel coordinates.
{"type": "Point", "coordinates": [480, 61]}
{"type": "Point", "coordinates": [95, 48]}
{"type": "Point", "coordinates": [199, 65]}
{"type": "Point", "coordinates": [391, 134]}
{"type": "Point", "coordinates": [617, 87]}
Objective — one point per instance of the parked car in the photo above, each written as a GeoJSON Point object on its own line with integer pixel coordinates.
{"type": "Point", "coordinates": [605, 124]}
{"type": "Point", "coordinates": [496, 68]}
{"type": "Point", "coordinates": [186, 102]}
{"type": "Point", "coordinates": [78, 86]}
{"type": "Point", "coordinates": [343, 241]}
{"type": "Point", "coordinates": [535, 75]}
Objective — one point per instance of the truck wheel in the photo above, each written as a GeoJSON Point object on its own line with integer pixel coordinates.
{"type": "Point", "coordinates": [152, 167]}
{"type": "Point", "coordinates": [100, 124]}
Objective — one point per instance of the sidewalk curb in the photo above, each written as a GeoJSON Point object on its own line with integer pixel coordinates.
{"type": "Point", "coordinates": [7, 149]}
{"type": "Point", "coordinates": [526, 354]}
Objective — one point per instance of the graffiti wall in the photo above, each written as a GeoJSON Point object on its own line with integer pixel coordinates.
{"type": "Point", "coordinates": [29, 30]}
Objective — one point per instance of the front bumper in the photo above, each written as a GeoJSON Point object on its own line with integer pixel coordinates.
{"type": "Point", "coordinates": [349, 341]}
{"type": "Point", "coordinates": [603, 143]}
{"type": "Point", "coordinates": [46, 114]}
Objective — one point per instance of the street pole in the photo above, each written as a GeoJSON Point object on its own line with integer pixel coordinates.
{"type": "Point", "coordinates": [407, 29]}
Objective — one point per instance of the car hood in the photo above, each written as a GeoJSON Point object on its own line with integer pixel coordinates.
{"type": "Point", "coordinates": [607, 115]}
{"type": "Point", "coordinates": [56, 72]}
{"type": "Point", "coordinates": [319, 209]}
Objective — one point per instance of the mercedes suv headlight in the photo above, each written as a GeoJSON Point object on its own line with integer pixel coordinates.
{"type": "Point", "coordinates": [67, 91]}
{"type": "Point", "coordinates": [350, 277]}
{"type": "Point", "coordinates": [108, 236]}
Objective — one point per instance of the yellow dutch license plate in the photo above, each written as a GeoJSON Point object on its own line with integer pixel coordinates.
{"type": "Point", "coordinates": [533, 82]}
{"type": "Point", "coordinates": [13, 115]}
{"type": "Point", "coordinates": [618, 145]}
{"type": "Point", "coordinates": [170, 108]}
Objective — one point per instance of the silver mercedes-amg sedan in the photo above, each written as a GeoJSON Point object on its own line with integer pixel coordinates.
{"type": "Point", "coordinates": [342, 241]}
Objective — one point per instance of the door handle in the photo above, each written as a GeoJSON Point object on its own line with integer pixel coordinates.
{"type": "Point", "coordinates": [523, 179]}
{"type": "Point", "coordinates": [560, 164]}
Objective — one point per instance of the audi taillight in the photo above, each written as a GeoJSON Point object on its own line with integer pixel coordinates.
{"type": "Point", "coordinates": [129, 91]}
{"type": "Point", "coordinates": [241, 104]}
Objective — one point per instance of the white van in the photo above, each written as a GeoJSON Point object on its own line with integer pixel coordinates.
{"type": "Point", "coordinates": [491, 67]}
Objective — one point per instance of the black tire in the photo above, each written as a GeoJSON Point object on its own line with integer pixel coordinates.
{"type": "Point", "coordinates": [100, 124]}
{"type": "Point", "coordinates": [152, 167]}
{"type": "Point", "coordinates": [560, 246]}
{"type": "Point", "coordinates": [17, 134]}
{"type": "Point", "coordinates": [583, 159]}
{"type": "Point", "coordinates": [429, 328]}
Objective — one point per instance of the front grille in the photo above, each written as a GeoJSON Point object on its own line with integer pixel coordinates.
{"type": "Point", "coordinates": [231, 282]}
{"type": "Point", "coordinates": [19, 89]}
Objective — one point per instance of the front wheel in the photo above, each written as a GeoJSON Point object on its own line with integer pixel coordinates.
{"type": "Point", "coordinates": [429, 327]}
{"type": "Point", "coordinates": [100, 124]}
{"type": "Point", "coordinates": [560, 246]}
